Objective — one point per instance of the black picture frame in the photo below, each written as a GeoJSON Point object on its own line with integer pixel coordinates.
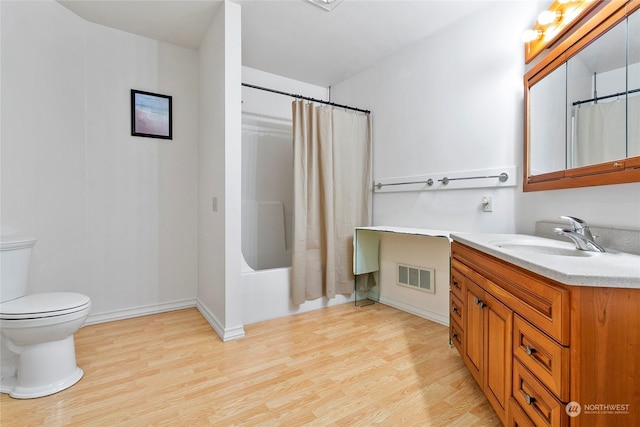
{"type": "Point", "coordinates": [151, 115]}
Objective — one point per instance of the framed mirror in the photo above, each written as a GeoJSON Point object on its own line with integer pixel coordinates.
{"type": "Point", "coordinates": [582, 105]}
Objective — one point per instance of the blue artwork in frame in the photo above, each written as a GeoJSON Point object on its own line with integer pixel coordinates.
{"type": "Point", "coordinates": [151, 115]}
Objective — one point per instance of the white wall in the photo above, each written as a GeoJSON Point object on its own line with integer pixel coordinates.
{"type": "Point", "coordinates": [115, 215]}
{"type": "Point", "coordinates": [219, 160]}
{"type": "Point", "coordinates": [449, 103]}
{"type": "Point", "coordinates": [614, 206]}
{"type": "Point", "coordinates": [454, 102]}
{"type": "Point", "coordinates": [261, 102]}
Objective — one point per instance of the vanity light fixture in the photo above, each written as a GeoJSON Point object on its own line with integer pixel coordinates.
{"type": "Point", "coordinates": [553, 23]}
{"type": "Point", "coordinates": [327, 5]}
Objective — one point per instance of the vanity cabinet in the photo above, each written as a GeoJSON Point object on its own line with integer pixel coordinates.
{"type": "Point", "coordinates": [534, 345]}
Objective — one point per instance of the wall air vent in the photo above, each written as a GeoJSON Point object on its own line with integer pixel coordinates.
{"type": "Point", "coordinates": [421, 278]}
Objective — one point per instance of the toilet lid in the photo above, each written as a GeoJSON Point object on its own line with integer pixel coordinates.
{"type": "Point", "coordinates": [44, 305]}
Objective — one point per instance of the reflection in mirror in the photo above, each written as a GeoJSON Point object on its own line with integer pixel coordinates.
{"type": "Point", "coordinates": [633, 83]}
{"type": "Point", "coordinates": [547, 112]}
{"type": "Point", "coordinates": [596, 86]}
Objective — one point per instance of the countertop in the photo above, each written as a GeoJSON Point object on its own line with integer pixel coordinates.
{"type": "Point", "coordinates": [564, 263]}
{"type": "Point", "coordinates": [408, 230]}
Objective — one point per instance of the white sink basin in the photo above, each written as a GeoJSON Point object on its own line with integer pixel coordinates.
{"type": "Point", "coordinates": [559, 260]}
{"type": "Point", "coordinates": [544, 248]}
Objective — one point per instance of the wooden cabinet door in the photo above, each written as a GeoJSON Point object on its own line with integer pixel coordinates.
{"type": "Point", "coordinates": [498, 357]}
{"type": "Point", "coordinates": [474, 331]}
{"type": "Point", "coordinates": [517, 417]}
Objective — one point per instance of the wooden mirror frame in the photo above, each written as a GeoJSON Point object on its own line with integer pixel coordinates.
{"type": "Point", "coordinates": [620, 171]}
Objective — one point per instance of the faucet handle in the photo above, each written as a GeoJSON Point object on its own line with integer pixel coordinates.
{"type": "Point", "coordinates": [580, 226]}
{"type": "Point", "coordinates": [576, 223]}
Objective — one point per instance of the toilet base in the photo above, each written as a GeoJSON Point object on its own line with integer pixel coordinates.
{"type": "Point", "coordinates": [43, 369]}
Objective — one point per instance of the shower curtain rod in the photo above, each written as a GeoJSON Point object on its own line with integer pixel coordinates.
{"type": "Point", "coordinates": [306, 98]}
{"type": "Point", "coordinates": [598, 98]}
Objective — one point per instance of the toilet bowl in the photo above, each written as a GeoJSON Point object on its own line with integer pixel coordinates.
{"type": "Point", "coordinates": [38, 350]}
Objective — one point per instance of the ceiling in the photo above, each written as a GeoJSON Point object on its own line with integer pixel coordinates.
{"type": "Point", "coordinates": [291, 38]}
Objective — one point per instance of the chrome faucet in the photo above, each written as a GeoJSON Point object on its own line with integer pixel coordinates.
{"type": "Point", "coordinates": [580, 234]}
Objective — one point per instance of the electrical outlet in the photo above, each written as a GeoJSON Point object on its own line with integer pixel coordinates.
{"type": "Point", "coordinates": [214, 204]}
{"type": "Point", "coordinates": [487, 204]}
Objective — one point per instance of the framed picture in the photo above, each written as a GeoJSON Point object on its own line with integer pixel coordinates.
{"type": "Point", "coordinates": [151, 115]}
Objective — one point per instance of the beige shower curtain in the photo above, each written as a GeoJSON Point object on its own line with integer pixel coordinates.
{"type": "Point", "coordinates": [607, 131]}
{"type": "Point", "coordinates": [332, 150]}
{"type": "Point", "coordinates": [601, 133]}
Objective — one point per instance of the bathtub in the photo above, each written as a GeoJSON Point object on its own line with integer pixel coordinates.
{"type": "Point", "coordinates": [266, 294]}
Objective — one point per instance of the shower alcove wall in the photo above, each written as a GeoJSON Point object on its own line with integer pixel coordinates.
{"type": "Point", "coordinates": [267, 191]}
{"type": "Point", "coordinates": [267, 197]}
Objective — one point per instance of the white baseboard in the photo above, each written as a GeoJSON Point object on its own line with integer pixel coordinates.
{"type": "Point", "coordinates": [144, 310]}
{"type": "Point", "coordinates": [226, 334]}
{"type": "Point", "coordinates": [425, 314]}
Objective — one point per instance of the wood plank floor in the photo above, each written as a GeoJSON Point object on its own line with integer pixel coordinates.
{"type": "Point", "coordinates": [342, 366]}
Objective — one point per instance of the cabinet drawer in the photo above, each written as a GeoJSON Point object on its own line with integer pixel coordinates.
{"type": "Point", "coordinates": [456, 335]}
{"type": "Point", "coordinates": [456, 308]}
{"type": "Point", "coordinates": [538, 403]}
{"type": "Point", "coordinates": [457, 281]}
{"type": "Point", "coordinates": [545, 358]}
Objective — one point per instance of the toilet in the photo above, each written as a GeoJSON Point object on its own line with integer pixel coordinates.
{"type": "Point", "coordinates": [37, 347]}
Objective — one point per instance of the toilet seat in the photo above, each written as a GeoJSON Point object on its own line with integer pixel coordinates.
{"type": "Point", "coordinates": [44, 305]}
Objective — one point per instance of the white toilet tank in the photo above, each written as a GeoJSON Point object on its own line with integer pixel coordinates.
{"type": "Point", "coordinates": [15, 254]}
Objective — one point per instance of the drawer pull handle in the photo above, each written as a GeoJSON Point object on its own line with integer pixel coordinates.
{"type": "Point", "coordinates": [456, 284]}
{"type": "Point", "coordinates": [454, 335]}
{"type": "Point", "coordinates": [529, 399]}
{"type": "Point", "coordinates": [480, 303]}
{"type": "Point", "coordinates": [454, 309]}
{"type": "Point", "coordinates": [529, 350]}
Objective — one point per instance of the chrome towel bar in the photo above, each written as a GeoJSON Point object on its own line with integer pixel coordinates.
{"type": "Point", "coordinates": [503, 177]}
{"type": "Point", "coordinates": [429, 182]}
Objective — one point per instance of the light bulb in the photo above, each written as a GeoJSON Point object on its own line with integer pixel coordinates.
{"type": "Point", "coordinates": [531, 35]}
{"type": "Point", "coordinates": [547, 17]}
